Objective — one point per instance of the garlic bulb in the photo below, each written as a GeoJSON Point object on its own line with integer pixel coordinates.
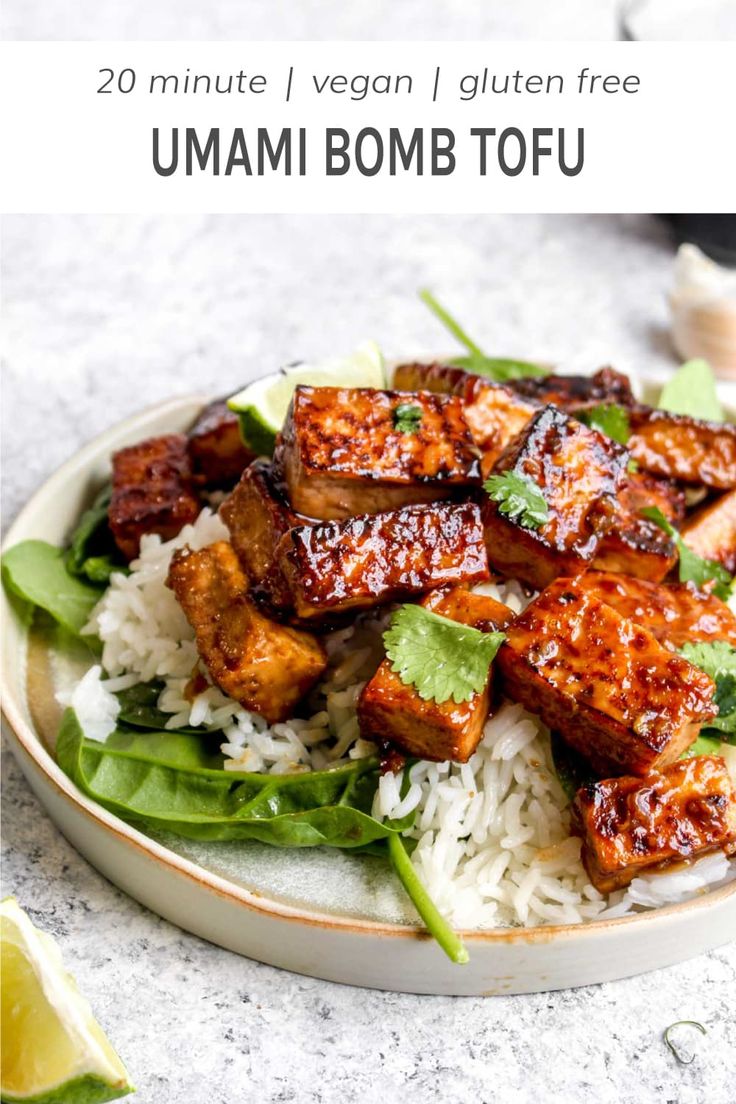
{"type": "Point", "coordinates": [703, 306]}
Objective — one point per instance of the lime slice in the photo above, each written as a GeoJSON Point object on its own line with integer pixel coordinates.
{"type": "Point", "coordinates": [53, 1049]}
{"type": "Point", "coordinates": [262, 405]}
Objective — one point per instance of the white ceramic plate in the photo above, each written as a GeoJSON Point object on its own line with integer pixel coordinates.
{"type": "Point", "coordinates": [317, 912]}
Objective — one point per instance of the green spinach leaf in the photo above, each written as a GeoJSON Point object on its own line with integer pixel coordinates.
{"type": "Point", "coordinates": [36, 572]}
{"type": "Point", "coordinates": [170, 782]}
{"type": "Point", "coordinates": [573, 771]}
{"type": "Point", "coordinates": [139, 708]}
{"type": "Point", "coordinates": [92, 550]}
{"type": "Point", "coordinates": [692, 391]}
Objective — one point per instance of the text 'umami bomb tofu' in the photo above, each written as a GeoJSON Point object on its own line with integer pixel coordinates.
{"type": "Point", "coordinates": [607, 685]}
{"type": "Point", "coordinates": [676, 613]}
{"type": "Point", "coordinates": [152, 491]}
{"type": "Point", "coordinates": [494, 412]}
{"type": "Point", "coordinates": [365, 561]}
{"type": "Point", "coordinates": [257, 515]}
{"type": "Point", "coordinates": [265, 666]}
{"type": "Point", "coordinates": [390, 710]}
{"type": "Point", "coordinates": [711, 531]}
{"type": "Point", "coordinates": [633, 826]}
{"type": "Point", "coordinates": [683, 448]}
{"type": "Point", "coordinates": [579, 472]}
{"type": "Point", "coordinates": [216, 447]}
{"type": "Point", "coordinates": [347, 451]}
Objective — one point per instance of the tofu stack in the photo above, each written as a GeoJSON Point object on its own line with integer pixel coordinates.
{"type": "Point", "coordinates": [374, 497]}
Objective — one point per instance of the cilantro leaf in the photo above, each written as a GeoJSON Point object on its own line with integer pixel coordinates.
{"type": "Point", "coordinates": [407, 418]}
{"type": "Point", "coordinates": [519, 498]}
{"type": "Point", "coordinates": [610, 419]}
{"type": "Point", "coordinates": [717, 659]}
{"type": "Point", "coordinates": [440, 658]}
{"type": "Point", "coordinates": [714, 657]}
{"type": "Point", "coordinates": [692, 391]}
{"type": "Point", "coordinates": [693, 568]}
{"type": "Point", "coordinates": [494, 368]}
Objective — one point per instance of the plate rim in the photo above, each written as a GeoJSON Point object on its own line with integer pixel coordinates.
{"type": "Point", "coordinates": [25, 734]}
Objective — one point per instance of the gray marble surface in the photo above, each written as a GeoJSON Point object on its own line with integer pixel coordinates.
{"type": "Point", "coordinates": [308, 19]}
{"type": "Point", "coordinates": [105, 315]}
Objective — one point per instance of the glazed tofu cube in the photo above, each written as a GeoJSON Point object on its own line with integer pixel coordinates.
{"type": "Point", "coordinates": [711, 531]}
{"type": "Point", "coordinates": [607, 685]}
{"type": "Point", "coordinates": [152, 491]}
{"type": "Point", "coordinates": [578, 471]}
{"type": "Point", "coordinates": [265, 666]}
{"type": "Point", "coordinates": [633, 826]}
{"type": "Point", "coordinates": [217, 452]}
{"type": "Point", "coordinates": [367, 561]}
{"type": "Point", "coordinates": [348, 451]}
{"type": "Point", "coordinates": [391, 711]}
{"type": "Point", "coordinates": [634, 545]}
{"type": "Point", "coordinates": [573, 393]}
{"type": "Point", "coordinates": [641, 490]}
{"type": "Point", "coordinates": [683, 448]}
{"type": "Point", "coordinates": [257, 515]}
{"type": "Point", "coordinates": [495, 414]}
{"type": "Point", "coordinates": [675, 614]}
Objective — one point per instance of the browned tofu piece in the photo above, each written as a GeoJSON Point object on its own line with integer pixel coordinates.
{"type": "Point", "coordinates": [683, 448]}
{"type": "Point", "coordinates": [577, 392]}
{"type": "Point", "coordinates": [606, 684]}
{"type": "Point", "coordinates": [265, 666]}
{"type": "Point", "coordinates": [216, 448]}
{"type": "Point", "coordinates": [366, 561]}
{"type": "Point", "coordinates": [675, 614]}
{"type": "Point", "coordinates": [494, 412]}
{"type": "Point", "coordinates": [391, 711]}
{"type": "Point", "coordinates": [343, 451]}
{"type": "Point", "coordinates": [152, 491]}
{"type": "Point", "coordinates": [634, 545]}
{"type": "Point", "coordinates": [641, 490]}
{"type": "Point", "coordinates": [579, 472]}
{"type": "Point", "coordinates": [633, 826]}
{"type": "Point", "coordinates": [711, 531]}
{"type": "Point", "coordinates": [257, 515]}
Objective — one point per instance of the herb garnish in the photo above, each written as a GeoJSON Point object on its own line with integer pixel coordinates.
{"type": "Point", "coordinates": [717, 659]}
{"type": "Point", "coordinates": [407, 418]}
{"type": "Point", "coordinates": [692, 391]}
{"type": "Point", "coordinates": [519, 498]}
{"type": "Point", "coordinates": [610, 419]}
{"type": "Point", "coordinates": [434, 921]}
{"type": "Point", "coordinates": [693, 568]}
{"type": "Point", "coordinates": [495, 368]}
{"type": "Point", "coordinates": [682, 1059]}
{"type": "Point", "coordinates": [441, 658]}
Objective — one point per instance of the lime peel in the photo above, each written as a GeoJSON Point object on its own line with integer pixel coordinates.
{"type": "Point", "coordinates": [263, 404]}
{"type": "Point", "coordinates": [54, 1051]}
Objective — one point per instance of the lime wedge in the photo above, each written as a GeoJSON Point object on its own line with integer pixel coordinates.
{"type": "Point", "coordinates": [53, 1049]}
{"type": "Point", "coordinates": [262, 405]}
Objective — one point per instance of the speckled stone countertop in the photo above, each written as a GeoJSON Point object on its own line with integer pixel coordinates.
{"type": "Point", "coordinates": [106, 315]}
{"type": "Point", "coordinates": [309, 19]}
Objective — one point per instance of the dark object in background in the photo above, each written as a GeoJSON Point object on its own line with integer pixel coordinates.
{"type": "Point", "coordinates": [714, 234]}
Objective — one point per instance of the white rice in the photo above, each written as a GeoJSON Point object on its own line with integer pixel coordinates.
{"type": "Point", "coordinates": [492, 836]}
